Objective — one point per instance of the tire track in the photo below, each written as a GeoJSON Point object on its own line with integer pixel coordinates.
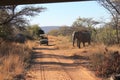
{"type": "Point", "coordinates": [42, 73]}
{"type": "Point", "coordinates": [71, 78]}
{"type": "Point", "coordinates": [79, 73]}
{"type": "Point", "coordinates": [55, 74]}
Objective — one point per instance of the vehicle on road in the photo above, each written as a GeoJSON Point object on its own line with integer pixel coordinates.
{"type": "Point", "coordinates": [43, 39]}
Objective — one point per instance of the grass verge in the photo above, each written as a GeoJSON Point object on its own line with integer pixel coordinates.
{"type": "Point", "coordinates": [14, 59]}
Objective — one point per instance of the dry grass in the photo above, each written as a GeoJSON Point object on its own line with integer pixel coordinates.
{"type": "Point", "coordinates": [30, 44]}
{"type": "Point", "coordinates": [14, 58]}
{"type": "Point", "coordinates": [12, 65]}
{"type": "Point", "coordinates": [104, 60]}
{"type": "Point", "coordinates": [64, 43]}
{"type": "Point", "coordinates": [61, 42]}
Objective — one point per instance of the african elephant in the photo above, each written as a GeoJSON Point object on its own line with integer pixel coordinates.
{"type": "Point", "coordinates": [81, 36]}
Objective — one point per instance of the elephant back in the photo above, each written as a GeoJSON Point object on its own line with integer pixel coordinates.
{"type": "Point", "coordinates": [84, 36]}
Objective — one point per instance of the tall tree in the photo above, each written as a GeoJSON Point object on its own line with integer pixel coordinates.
{"type": "Point", "coordinates": [14, 16]}
{"type": "Point", "coordinates": [33, 30]}
{"type": "Point", "coordinates": [113, 6]}
{"type": "Point", "coordinates": [77, 22]}
{"type": "Point", "coordinates": [84, 23]}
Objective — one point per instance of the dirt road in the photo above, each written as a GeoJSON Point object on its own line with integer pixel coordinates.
{"type": "Point", "coordinates": [50, 63]}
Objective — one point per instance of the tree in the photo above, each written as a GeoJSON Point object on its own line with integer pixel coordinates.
{"type": "Point", "coordinates": [34, 31]}
{"type": "Point", "coordinates": [14, 16]}
{"type": "Point", "coordinates": [53, 32]}
{"type": "Point", "coordinates": [84, 22]}
{"type": "Point", "coordinates": [77, 22]}
{"type": "Point", "coordinates": [113, 6]}
{"type": "Point", "coordinates": [64, 30]}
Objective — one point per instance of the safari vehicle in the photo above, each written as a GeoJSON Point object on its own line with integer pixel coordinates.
{"type": "Point", "coordinates": [43, 39]}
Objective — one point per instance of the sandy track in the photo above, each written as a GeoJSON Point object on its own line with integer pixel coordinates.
{"type": "Point", "coordinates": [52, 64]}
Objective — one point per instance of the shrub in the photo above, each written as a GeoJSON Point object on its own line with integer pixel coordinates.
{"type": "Point", "coordinates": [53, 32]}
{"type": "Point", "coordinates": [106, 64]}
{"type": "Point", "coordinates": [106, 35]}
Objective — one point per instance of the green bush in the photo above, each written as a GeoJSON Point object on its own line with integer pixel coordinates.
{"type": "Point", "coordinates": [106, 35]}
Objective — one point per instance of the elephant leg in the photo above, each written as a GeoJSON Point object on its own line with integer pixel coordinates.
{"type": "Point", "coordinates": [78, 43]}
{"type": "Point", "coordinates": [73, 42]}
{"type": "Point", "coordinates": [84, 44]}
{"type": "Point", "coordinates": [89, 42]}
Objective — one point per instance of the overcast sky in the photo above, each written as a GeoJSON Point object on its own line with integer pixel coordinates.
{"type": "Point", "coordinates": [59, 14]}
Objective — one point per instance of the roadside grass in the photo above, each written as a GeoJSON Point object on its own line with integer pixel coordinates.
{"type": "Point", "coordinates": [14, 59]}
{"type": "Point", "coordinates": [106, 61]}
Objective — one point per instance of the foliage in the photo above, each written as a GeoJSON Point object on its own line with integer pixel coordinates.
{"type": "Point", "coordinates": [33, 31]}
{"type": "Point", "coordinates": [106, 35]}
{"type": "Point", "coordinates": [106, 64]}
{"type": "Point", "coordinates": [13, 17]}
{"type": "Point", "coordinates": [84, 22]}
{"type": "Point", "coordinates": [54, 32]}
{"type": "Point", "coordinates": [113, 6]}
{"type": "Point", "coordinates": [77, 22]}
{"type": "Point", "coordinates": [64, 31]}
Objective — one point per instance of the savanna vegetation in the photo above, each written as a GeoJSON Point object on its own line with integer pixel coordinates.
{"type": "Point", "coordinates": [15, 57]}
